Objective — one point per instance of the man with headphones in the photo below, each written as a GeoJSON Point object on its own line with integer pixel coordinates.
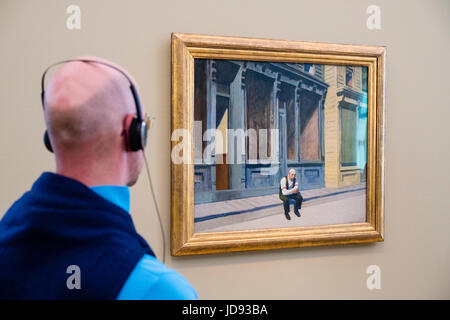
{"type": "Point", "coordinates": [77, 218]}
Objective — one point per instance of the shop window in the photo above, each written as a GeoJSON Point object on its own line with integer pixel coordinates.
{"type": "Point", "coordinates": [349, 77]}
{"type": "Point", "coordinates": [287, 101]}
{"type": "Point", "coordinates": [348, 136]}
{"type": "Point", "coordinates": [364, 79]}
{"type": "Point", "coordinates": [309, 126]}
{"type": "Point", "coordinates": [259, 93]}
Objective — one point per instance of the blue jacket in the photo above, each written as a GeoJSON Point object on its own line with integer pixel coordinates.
{"type": "Point", "coordinates": [150, 279]}
{"type": "Point", "coordinates": [61, 223]}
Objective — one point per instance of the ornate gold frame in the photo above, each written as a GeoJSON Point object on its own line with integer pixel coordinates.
{"type": "Point", "coordinates": [186, 47]}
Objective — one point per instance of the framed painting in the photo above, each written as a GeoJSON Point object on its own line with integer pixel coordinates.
{"type": "Point", "coordinates": [275, 144]}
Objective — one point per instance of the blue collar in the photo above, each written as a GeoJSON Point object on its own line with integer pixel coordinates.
{"type": "Point", "coordinates": [119, 195]}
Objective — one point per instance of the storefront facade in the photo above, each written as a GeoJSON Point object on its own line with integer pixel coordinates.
{"type": "Point", "coordinates": [270, 117]}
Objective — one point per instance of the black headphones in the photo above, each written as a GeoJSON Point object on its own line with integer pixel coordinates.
{"type": "Point", "coordinates": [135, 134]}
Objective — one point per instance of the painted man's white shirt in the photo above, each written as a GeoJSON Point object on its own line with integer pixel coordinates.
{"type": "Point", "coordinates": [287, 191]}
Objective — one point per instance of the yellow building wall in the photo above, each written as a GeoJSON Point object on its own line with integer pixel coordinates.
{"type": "Point", "coordinates": [331, 129]}
{"type": "Point", "coordinates": [335, 176]}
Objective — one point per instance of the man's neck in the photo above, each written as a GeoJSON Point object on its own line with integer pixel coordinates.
{"type": "Point", "coordinates": [96, 173]}
{"type": "Point", "coordinates": [92, 180]}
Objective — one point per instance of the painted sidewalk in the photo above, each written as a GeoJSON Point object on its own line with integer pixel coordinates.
{"type": "Point", "coordinates": [342, 205]}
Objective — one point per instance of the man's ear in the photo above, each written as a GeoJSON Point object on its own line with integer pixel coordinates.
{"type": "Point", "coordinates": [126, 130]}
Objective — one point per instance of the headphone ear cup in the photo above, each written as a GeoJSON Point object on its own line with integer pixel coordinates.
{"type": "Point", "coordinates": [47, 142]}
{"type": "Point", "coordinates": [135, 136]}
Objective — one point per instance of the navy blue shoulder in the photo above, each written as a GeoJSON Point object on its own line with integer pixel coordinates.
{"type": "Point", "coordinates": [58, 223]}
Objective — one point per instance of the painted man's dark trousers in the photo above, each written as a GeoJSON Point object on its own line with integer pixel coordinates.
{"type": "Point", "coordinates": [297, 206]}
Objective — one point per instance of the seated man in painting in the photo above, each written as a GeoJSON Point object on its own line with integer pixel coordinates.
{"type": "Point", "coordinates": [290, 193]}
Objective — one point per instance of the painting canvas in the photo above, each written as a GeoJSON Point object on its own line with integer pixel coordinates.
{"type": "Point", "coordinates": [275, 144]}
{"type": "Point", "coordinates": [258, 124]}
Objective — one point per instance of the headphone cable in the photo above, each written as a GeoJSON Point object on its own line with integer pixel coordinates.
{"type": "Point", "coordinates": [156, 206]}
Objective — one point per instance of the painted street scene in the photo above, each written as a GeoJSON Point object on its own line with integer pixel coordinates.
{"type": "Point", "coordinates": [278, 145]}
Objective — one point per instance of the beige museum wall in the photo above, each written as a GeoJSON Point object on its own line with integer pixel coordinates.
{"type": "Point", "coordinates": [415, 257]}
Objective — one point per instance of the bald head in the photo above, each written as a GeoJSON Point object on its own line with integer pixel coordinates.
{"type": "Point", "coordinates": [86, 104]}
